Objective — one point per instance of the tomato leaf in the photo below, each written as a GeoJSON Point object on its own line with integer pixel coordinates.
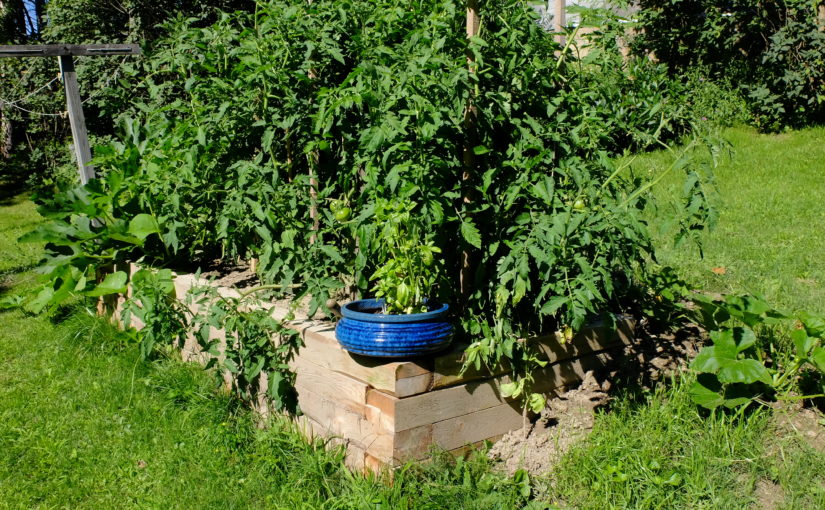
{"type": "Point", "coordinates": [470, 233]}
{"type": "Point", "coordinates": [143, 225]}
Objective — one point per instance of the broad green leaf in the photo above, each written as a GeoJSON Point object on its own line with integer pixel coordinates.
{"type": "Point", "coordinates": [113, 283]}
{"type": "Point", "coordinates": [803, 342]}
{"type": "Point", "coordinates": [143, 225]}
{"type": "Point", "coordinates": [126, 238]}
{"type": "Point", "coordinates": [536, 402]}
{"type": "Point", "coordinates": [40, 300]}
{"type": "Point", "coordinates": [736, 395]}
{"type": "Point", "coordinates": [706, 391]}
{"type": "Point", "coordinates": [10, 302]}
{"type": "Point", "coordinates": [814, 324]}
{"type": "Point", "coordinates": [706, 360]}
{"type": "Point", "coordinates": [510, 389]}
{"type": "Point", "coordinates": [744, 371]}
{"type": "Point", "coordinates": [724, 343]}
{"type": "Point", "coordinates": [744, 338]}
{"type": "Point", "coordinates": [275, 384]}
{"type": "Point", "coordinates": [470, 233]}
{"type": "Point", "coordinates": [817, 357]}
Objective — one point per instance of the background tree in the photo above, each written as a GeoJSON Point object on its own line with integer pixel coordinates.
{"type": "Point", "coordinates": [34, 143]}
{"type": "Point", "coordinates": [773, 51]}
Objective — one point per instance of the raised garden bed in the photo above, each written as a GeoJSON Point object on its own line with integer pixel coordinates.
{"type": "Point", "coordinates": [387, 412]}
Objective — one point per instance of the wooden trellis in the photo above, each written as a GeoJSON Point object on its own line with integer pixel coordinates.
{"type": "Point", "coordinates": [65, 54]}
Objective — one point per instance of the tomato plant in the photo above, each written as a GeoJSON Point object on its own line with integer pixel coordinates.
{"type": "Point", "coordinates": [240, 132]}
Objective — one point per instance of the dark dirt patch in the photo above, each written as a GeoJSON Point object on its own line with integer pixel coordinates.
{"type": "Point", "coordinates": [233, 275]}
{"type": "Point", "coordinates": [658, 355]}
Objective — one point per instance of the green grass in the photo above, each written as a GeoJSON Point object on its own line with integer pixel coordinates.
{"type": "Point", "coordinates": [768, 239]}
{"type": "Point", "coordinates": [662, 452]}
{"type": "Point", "coordinates": [18, 217]}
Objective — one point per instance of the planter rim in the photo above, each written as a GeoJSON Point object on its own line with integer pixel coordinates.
{"type": "Point", "coordinates": [352, 310]}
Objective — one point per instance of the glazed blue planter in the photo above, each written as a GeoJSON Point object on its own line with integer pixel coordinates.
{"type": "Point", "coordinates": [363, 330]}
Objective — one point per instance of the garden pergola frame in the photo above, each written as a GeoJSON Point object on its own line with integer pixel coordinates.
{"type": "Point", "coordinates": [65, 54]}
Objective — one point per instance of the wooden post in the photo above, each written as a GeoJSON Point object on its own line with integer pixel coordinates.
{"type": "Point", "coordinates": [78, 123]}
{"type": "Point", "coordinates": [64, 53]}
{"type": "Point", "coordinates": [821, 16]}
{"type": "Point", "coordinates": [468, 160]}
{"type": "Point", "coordinates": [560, 19]}
{"type": "Point", "coordinates": [313, 159]}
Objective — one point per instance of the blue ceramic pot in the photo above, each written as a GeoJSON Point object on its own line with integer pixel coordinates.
{"type": "Point", "coordinates": [363, 330]}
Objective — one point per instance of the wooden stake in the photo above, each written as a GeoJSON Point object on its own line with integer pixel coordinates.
{"type": "Point", "coordinates": [470, 112]}
{"type": "Point", "coordinates": [78, 123]}
{"type": "Point", "coordinates": [560, 20]}
{"type": "Point", "coordinates": [314, 160]}
{"type": "Point", "coordinates": [821, 16]}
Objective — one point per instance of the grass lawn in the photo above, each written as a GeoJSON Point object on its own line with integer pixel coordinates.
{"type": "Point", "coordinates": [85, 424]}
{"type": "Point", "coordinates": [768, 240]}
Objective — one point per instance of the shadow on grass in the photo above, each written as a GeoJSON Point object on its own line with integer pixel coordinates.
{"type": "Point", "coordinates": [12, 191]}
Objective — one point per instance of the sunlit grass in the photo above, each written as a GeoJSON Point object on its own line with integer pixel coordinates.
{"type": "Point", "coordinates": [768, 240]}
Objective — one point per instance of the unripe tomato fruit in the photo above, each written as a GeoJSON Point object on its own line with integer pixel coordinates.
{"type": "Point", "coordinates": [335, 205]}
{"type": "Point", "coordinates": [343, 214]}
{"type": "Point", "coordinates": [578, 205]}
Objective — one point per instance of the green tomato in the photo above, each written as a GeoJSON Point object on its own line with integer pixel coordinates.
{"type": "Point", "coordinates": [578, 205]}
{"type": "Point", "coordinates": [336, 205]}
{"type": "Point", "coordinates": [343, 214]}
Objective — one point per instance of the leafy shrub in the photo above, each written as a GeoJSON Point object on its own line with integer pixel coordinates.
{"type": "Point", "coordinates": [771, 50]}
{"type": "Point", "coordinates": [715, 101]}
{"type": "Point", "coordinates": [243, 130]}
{"type": "Point", "coordinates": [790, 85]}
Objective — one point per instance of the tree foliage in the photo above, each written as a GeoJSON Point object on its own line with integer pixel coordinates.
{"type": "Point", "coordinates": [773, 50]}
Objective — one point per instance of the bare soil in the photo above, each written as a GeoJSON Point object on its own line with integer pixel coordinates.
{"type": "Point", "coordinates": [569, 417]}
{"type": "Point", "coordinates": [769, 495]}
{"type": "Point", "coordinates": [566, 420]}
{"type": "Point", "coordinates": [806, 423]}
{"type": "Point", "coordinates": [227, 274]}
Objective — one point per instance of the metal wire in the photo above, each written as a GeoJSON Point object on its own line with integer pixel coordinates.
{"type": "Point", "coordinates": [16, 101]}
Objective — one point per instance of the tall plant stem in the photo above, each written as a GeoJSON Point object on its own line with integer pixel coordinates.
{"type": "Point", "coordinates": [468, 159]}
